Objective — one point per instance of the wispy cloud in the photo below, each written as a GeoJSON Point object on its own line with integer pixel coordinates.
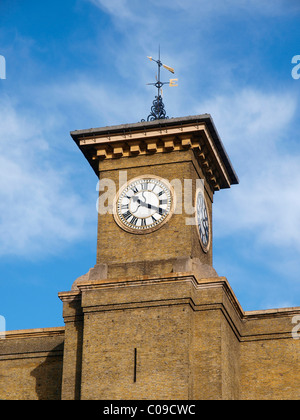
{"type": "Point", "coordinates": [132, 8]}
{"type": "Point", "coordinates": [255, 126]}
{"type": "Point", "coordinates": [39, 210]}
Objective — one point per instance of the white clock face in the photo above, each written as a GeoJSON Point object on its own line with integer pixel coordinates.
{"type": "Point", "coordinates": [202, 221]}
{"type": "Point", "coordinates": [144, 204]}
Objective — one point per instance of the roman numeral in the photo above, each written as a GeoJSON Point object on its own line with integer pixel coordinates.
{"type": "Point", "coordinates": [153, 218]}
{"type": "Point", "coordinates": [163, 202]}
{"type": "Point", "coordinates": [134, 220]}
{"type": "Point", "coordinates": [160, 193]}
{"type": "Point", "coordinates": [144, 186]}
{"type": "Point", "coordinates": [204, 238]}
{"type": "Point", "coordinates": [134, 189]}
{"type": "Point", "coordinates": [127, 215]}
{"type": "Point", "coordinates": [124, 207]}
{"type": "Point", "coordinates": [143, 222]}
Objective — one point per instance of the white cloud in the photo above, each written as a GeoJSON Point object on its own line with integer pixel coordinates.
{"type": "Point", "coordinates": [39, 211]}
{"type": "Point", "coordinates": [94, 101]}
{"type": "Point", "coordinates": [117, 8]}
{"type": "Point", "coordinates": [254, 126]}
{"type": "Point", "coordinates": [250, 116]}
{"type": "Point", "coordinates": [133, 10]}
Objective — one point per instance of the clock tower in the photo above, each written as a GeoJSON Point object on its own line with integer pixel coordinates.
{"type": "Point", "coordinates": [152, 320]}
{"type": "Point", "coordinates": [156, 185]}
{"type": "Point", "coordinates": [135, 317]}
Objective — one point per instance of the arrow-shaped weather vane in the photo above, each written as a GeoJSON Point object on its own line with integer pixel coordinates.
{"type": "Point", "coordinates": [158, 109]}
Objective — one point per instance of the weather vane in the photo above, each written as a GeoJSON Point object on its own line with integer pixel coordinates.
{"type": "Point", "coordinates": [158, 108]}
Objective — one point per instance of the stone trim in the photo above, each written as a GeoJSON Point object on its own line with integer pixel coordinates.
{"type": "Point", "coordinates": [33, 333]}
{"type": "Point", "coordinates": [193, 133]}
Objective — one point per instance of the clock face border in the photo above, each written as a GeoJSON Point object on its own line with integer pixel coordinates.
{"type": "Point", "coordinates": [129, 229]}
{"type": "Point", "coordinates": [206, 247]}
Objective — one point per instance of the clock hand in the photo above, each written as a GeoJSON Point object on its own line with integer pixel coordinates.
{"type": "Point", "coordinates": [135, 199]}
{"type": "Point", "coordinates": [149, 206]}
{"type": "Point", "coordinates": [136, 209]}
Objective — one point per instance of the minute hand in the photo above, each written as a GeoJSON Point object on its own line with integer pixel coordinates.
{"type": "Point", "coordinates": [149, 206]}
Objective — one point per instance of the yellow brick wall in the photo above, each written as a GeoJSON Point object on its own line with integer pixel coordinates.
{"type": "Point", "coordinates": [192, 338]}
{"type": "Point", "coordinates": [161, 338]}
{"type": "Point", "coordinates": [186, 347]}
{"type": "Point", "coordinates": [31, 367]}
{"type": "Point", "coordinates": [270, 369]}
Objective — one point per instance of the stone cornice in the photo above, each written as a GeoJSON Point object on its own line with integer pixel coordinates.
{"type": "Point", "coordinates": [247, 326]}
{"type": "Point", "coordinates": [34, 333]}
{"type": "Point", "coordinates": [196, 133]}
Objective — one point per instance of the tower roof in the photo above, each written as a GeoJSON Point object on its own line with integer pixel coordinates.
{"type": "Point", "coordinates": [95, 142]}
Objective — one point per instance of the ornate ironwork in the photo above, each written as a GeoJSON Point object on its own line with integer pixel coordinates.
{"type": "Point", "coordinates": [158, 109]}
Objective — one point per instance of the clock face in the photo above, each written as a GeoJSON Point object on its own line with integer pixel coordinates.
{"type": "Point", "coordinates": [144, 204]}
{"type": "Point", "coordinates": [202, 220]}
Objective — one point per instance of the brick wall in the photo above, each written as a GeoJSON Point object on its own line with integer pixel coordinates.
{"type": "Point", "coordinates": [31, 364]}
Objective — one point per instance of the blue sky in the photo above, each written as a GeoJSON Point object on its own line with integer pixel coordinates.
{"type": "Point", "coordinates": [78, 64]}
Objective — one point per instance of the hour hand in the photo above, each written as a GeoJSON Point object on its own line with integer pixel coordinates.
{"type": "Point", "coordinates": [142, 203]}
{"type": "Point", "coordinates": [149, 206]}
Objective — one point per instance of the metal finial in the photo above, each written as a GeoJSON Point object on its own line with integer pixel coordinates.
{"type": "Point", "coordinates": [158, 109]}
